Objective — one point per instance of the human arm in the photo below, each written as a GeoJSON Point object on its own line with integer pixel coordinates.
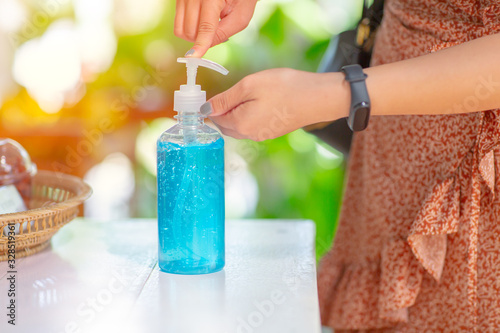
{"type": "Point", "coordinates": [463, 78]}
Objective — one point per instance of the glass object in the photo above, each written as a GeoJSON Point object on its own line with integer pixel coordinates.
{"type": "Point", "coordinates": [16, 171]}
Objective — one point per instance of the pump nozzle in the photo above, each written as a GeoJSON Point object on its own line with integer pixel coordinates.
{"type": "Point", "coordinates": [192, 67]}
{"type": "Point", "coordinates": [190, 96]}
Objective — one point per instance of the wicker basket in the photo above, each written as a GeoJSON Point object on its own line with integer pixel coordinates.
{"type": "Point", "coordinates": [54, 202]}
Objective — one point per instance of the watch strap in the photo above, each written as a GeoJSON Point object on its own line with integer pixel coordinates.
{"type": "Point", "coordinates": [359, 112]}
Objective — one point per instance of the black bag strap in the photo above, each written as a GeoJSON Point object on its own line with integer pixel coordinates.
{"type": "Point", "coordinates": [373, 13]}
{"type": "Point", "coordinates": [364, 13]}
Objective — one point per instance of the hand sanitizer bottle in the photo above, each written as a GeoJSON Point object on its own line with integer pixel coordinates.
{"type": "Point", "coordinates": [190, 160]}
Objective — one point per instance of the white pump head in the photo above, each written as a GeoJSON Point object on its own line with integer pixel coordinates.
{"type": "Point", "coordinates": [190, 97]}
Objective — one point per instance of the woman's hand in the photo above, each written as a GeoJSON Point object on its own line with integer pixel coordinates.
{"type": "Point", "coordinates": [198, 21]}
{"type": "Point", "coordinates": [274, 102]}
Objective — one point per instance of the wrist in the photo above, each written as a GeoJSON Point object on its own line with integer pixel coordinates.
{"type": "Point", "coordinates": [336, 94]}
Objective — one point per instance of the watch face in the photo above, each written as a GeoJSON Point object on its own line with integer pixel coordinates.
{"type": "Point", "coordinates": [361, 117]}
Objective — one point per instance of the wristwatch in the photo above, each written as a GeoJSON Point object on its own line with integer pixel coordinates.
{"type": "Point", "coordinates": [359, 113]}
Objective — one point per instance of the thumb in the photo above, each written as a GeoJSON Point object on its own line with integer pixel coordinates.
{"type": "Point", "coordinates": [209, 22]}
{"type": "Point", "coordinates": [224, 102]}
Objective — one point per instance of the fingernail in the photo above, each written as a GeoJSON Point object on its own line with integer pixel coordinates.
{"type": "Point", "coordinates": [206, 109]}
{"type": "Point", "coordinates": [189, 53]}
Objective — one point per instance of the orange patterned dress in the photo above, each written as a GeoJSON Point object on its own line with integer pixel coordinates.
{"type": "Point", "coordinates": [418, 243]}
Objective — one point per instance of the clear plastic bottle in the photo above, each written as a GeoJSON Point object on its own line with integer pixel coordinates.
{"type": "Point", "coordinates": [190, 162]}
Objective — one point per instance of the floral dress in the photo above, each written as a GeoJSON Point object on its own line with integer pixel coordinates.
{"type": "Point", "coordinates": [418, 243]}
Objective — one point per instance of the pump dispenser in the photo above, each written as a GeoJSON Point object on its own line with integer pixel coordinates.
{"type": "Point", "coordinates": [190, 183]}
{"type": "Point", "coordinates": [190, 96]}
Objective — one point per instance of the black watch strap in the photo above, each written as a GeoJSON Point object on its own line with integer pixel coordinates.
{"type": "Point", "coordinates": [359, 113]}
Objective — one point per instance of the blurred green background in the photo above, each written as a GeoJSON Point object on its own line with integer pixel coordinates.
{"type": "Point", "coordinates": [87, 85]}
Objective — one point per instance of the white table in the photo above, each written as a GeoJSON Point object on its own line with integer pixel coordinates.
{"type": "Point", "coordinates": [103, 277]}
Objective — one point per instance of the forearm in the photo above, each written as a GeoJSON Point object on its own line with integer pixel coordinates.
{"type": "Point", "coordinates": [268, 104]}
{"type": "Point", "coordinates": [460, 79]}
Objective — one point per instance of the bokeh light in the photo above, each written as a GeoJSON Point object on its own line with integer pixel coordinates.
{"type": "Point", "coordinates": [49, 66]}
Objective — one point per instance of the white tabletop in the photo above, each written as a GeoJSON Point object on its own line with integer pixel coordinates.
{"type": "Point", "coordinates": [103, 277]}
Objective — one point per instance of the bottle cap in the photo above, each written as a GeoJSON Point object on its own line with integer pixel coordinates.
{"type": "Point", "coordinates": [190, 97]}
